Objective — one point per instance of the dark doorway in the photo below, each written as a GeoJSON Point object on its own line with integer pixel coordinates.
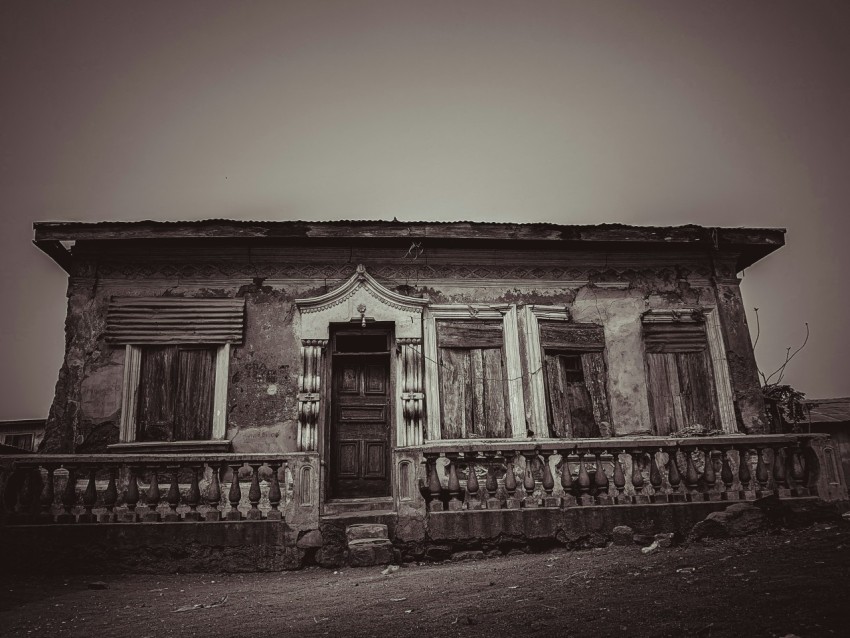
{"type": "Point", "coordinates": [360, 413]}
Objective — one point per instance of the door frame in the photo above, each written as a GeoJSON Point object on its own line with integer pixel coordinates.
{"type": "Point", "coordinates": [326, 419]}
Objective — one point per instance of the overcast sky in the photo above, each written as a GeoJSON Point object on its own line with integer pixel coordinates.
{"type": "Point", "coordinates": [666, 113]}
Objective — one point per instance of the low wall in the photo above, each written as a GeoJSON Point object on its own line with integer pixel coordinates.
{"type": "Point", "coordinates": [243, 546]}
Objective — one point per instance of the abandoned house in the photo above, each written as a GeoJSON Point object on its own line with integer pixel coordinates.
{"type": "Point", "coordinates": [361, 392]}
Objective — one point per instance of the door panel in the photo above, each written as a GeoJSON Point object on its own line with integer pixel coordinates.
{"type": "Point", "coordinates": [360, 423]}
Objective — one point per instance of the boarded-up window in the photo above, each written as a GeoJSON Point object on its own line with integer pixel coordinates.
{"type": "Point", "coordinates": [575, 377]}
{"type": "Point", "coordinates": [175, 397]}
{"type": "Point", "coordinates": [680, 382]}
{"type": "Point", "coordinates": [474, 399]}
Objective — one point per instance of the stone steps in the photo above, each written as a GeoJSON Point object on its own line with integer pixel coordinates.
{"type": "Point", "coordinates": [368, 545]}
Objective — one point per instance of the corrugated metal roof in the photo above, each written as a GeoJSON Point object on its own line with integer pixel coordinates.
{"type": "Point", "coordinates": [835, 410]}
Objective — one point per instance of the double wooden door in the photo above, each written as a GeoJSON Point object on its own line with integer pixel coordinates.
{"type": "Point", "coordinates": [360, 428]}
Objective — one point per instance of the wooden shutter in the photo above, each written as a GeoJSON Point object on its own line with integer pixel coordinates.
{"type": "Point", "coordinates": [679, 376]}
{"type": "Point", "coordinates": [175, 394]}
{"type": "Point", "coordinates": [575, 377]}
{"type": "Point", "coordinates": [174, 320]}
{"type": "Point", "coordinates": [473, 385]}
{"type": "Point", "coordinates": [157, 381]}
{"type": "Point", "coordinates": [194, 400]}
{"type": "Point", "coordinates": [570, 405]}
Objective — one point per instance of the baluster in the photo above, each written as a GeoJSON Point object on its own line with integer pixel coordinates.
{"type": "Point", "coordinates": [254, 514]}
{"type": "Point", "coordinates": [26, 494]}
{"type": "Point", "coordinates": [674, 478]}
{"type": "Point", "coordinates": [435, 488]}
{"type": "Point", "coordinates": [798, 474]}
{"type": "Point", "coordinates": [583, 481]}
{"type": "Point", "coordinates": [110, 497]}
{"type": "Point", "coordinates": [455, 501]}
{"type": "Point", "coordinates": [549, 500]}
{"type": "Point", "coordinates": [173, 496]}
{"type": "Point", "coordinates": [131, 497]}
{"type": "Point", "coordinates": [511, 502]}
{"type": "Point", "coordinates": [275, 495]}
{"type": "Point", "coordinates": [528, 482]}
{"type": "Point", "coordinates": [655, 479]}
{"type": "Point", "coordinates": [473, 501]}
{"type": "Point", "coordinates": [234, 496]}
{"type": "Point", "coordinates": [745, 477]}
{"type": "Point", "coordinates": [193, 497]}
{"type": "Point", "coordinates": [600, 481]}
{"type": "Point", "coordinates": [709, 475]}
{"type": "Point", "coordinates": [152, 498]}
{"type": "Point", "coordinates": [762, 475]}
{"type": "Point", "coordinates": [47, 496]}
{"type": "Point", "coordinates": [727, 477]}
{"type": "Point", "coordinates": [780, 478]}
{"type": "Point", "coordinates": [691, 476]}
{"type": "Point", "coordinates": [69, 497]}
{"type": "Point", "coordinates": [213, 497]}
{"type": "Point", "coordinates": [638, 483]}
{"type": "Point", "coordinates": [90, 498]}
{"type": "Point", "coordinates": [620, 481]}
{"type": "Point", "coordinates": [491, 484]}
{"type": "Point", "coordinates": [568, 499]}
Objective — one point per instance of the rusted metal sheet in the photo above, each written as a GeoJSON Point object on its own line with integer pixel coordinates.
{"type": "Point", "coordinates": [675, 337]}
{"type": "Point", "coordinates": [164, 320]}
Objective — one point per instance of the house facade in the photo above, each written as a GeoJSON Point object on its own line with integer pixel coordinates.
{"type": "Point", "coordinates": [420, 375]}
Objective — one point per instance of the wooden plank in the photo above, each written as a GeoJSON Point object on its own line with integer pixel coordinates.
{"type": "Point", "coordinates": [560, 422]}
{"type": "Point", "coordinates": [497, 414]}
{"type": "Point", "coordinates": [595, 379]}
{"type": "Point", "coordinates": [469, 334]}
{"type": "Point", "coordinates": [455, 399]}
{"type": "Point", "coordinates": [572, 336]}
{"type": "Point", "coordinates": [193, 410]}
{"type": "Point", "coordinates": [478, 425]}
{"type": "Point", "coordinates": [660, 394]}
{"type": "Point", "coordinates": [155, 413]}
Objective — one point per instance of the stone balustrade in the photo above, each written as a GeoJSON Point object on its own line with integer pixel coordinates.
{"type": "Point", "coordinates": [122, 488]}
{"type": "Point", "coordinates": [566, 473]}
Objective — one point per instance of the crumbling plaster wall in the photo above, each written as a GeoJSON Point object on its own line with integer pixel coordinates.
{"type": "Point", "coordinates": [262, 388]}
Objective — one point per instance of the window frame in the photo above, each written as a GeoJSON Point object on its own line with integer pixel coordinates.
{"type": "Point", "coordinates": [534, 314]}
{"type": "Point", "coordinates": [130, 393]}
{"type": "Point", "coordinates": [716, 354]}
{"type": "Point", "coordinates": [507, 314]}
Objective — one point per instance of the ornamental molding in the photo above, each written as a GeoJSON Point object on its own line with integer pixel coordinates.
{"type": "Point", "coordinates": [361, 299]}
{"type": "Point", "coordinates": [361, 280]}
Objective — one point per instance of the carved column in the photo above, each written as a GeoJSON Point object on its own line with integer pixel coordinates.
{"type": "Point", "coordinates": [312, 361]}
{"type": "Point", "coordinates": [412, 391]}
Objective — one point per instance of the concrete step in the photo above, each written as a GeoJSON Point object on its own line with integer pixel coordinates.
{"type": "Point", "coordinates": [353, 505]}
{"type": "Point", "coordinates": [368, 552]}
{"type": "Point", "coordinates": [366, 531]}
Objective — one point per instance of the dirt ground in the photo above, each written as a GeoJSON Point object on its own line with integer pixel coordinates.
{"type": "Point", "coordinates": [786, 583]}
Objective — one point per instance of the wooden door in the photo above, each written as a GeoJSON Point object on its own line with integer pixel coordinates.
{"type": "Point", "coordinates": [360, 429]}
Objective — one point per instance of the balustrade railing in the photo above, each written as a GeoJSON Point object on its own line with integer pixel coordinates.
{"type": "Point", "coordinates": [567, 473]}
{"type": "Point", "coordinates": [149, 488]}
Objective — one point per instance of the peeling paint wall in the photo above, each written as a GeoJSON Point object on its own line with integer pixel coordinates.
{"type": "Point", "coordinates": [612, 290]}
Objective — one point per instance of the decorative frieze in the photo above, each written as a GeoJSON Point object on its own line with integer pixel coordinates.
{"type": "Point", "coordinates": [404, 274]}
